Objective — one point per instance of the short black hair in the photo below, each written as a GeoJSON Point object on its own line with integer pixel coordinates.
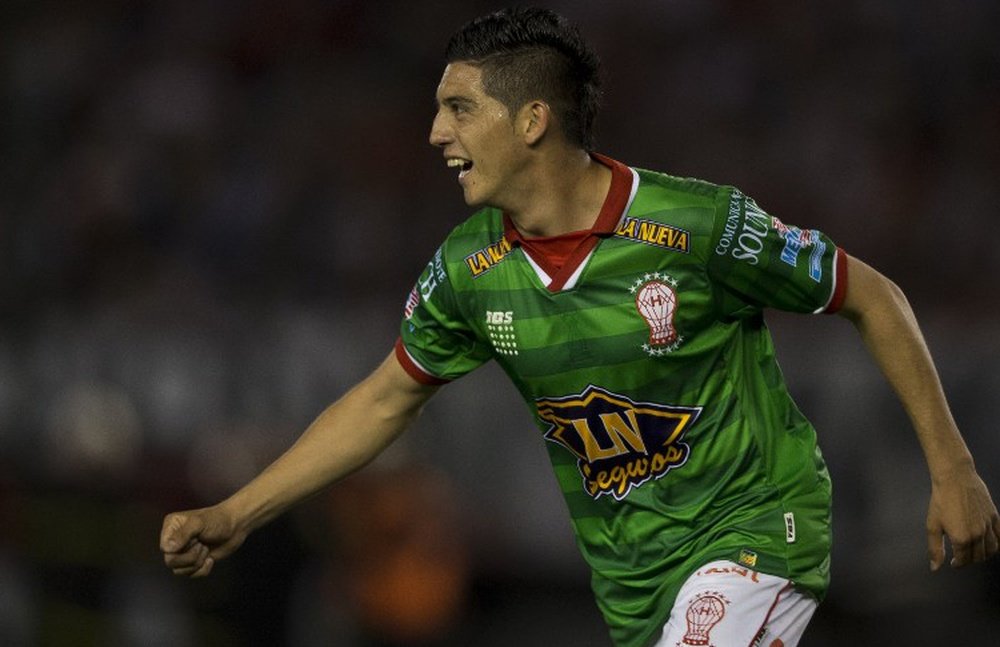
{"type": "Point", "coordinates": [530, 53]}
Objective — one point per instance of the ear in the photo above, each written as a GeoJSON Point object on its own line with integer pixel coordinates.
{"type": "Point", "coordinates": [534, 120]}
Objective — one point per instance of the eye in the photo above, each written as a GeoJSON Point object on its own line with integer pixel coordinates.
{"type": "Point", "coordinates": [458, 107]}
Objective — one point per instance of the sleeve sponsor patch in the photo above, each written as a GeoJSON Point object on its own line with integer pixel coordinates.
{"type": "Point", "coordinates": [747, 242]}
{"type": "Point", "coordinates": [795, 241]}
{"type": "Point", "coordinates": [412, 302]}
{"type": "Point", "coordinates": [759, 261]}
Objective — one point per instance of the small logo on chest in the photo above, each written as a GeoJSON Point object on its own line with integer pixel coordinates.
{"type": "Point", "coordinates": [656, 301]}
{"type": "Point", "coordinates": [500, 328]}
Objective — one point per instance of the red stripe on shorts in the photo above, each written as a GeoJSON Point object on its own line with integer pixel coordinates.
{"type": "Point", "coordinates": [786, 588]}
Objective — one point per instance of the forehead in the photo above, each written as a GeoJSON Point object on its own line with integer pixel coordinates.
{"type": "Point", "coordinates": [461, 80]}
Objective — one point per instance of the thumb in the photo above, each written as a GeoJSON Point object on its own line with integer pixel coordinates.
{"type": "Point", "coordinates": [179, 529]}
{"type": "Point", "coordinates": [935, 546]}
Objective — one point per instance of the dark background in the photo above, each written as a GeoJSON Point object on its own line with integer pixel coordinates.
{"type": "Point", "coordinates": [211, 215]}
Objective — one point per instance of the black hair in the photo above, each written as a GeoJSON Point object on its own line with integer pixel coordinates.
{"type": "Point", "coordinates": [529, 53]}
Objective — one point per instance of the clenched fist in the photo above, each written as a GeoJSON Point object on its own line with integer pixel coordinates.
{"type": "Point", "coordinates": [193, 540]}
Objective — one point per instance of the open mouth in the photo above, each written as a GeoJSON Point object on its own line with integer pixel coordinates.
{"type": "Point", "coordinates": [463, 164]}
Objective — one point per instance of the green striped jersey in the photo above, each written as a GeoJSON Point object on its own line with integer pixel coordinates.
{"type": "Point", "coordinates": [652, 377]}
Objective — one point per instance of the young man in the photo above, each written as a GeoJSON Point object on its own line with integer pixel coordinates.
{"type": "Point", "coordinates": [626, 306]}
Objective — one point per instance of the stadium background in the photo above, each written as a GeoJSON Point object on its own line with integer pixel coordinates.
{"type": "Point", "coordinates": [211, 214]}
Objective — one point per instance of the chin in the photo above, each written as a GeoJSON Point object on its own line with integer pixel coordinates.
{"type": "Point", "coordinates": [479, 194]}
{"type": "Point", "coordinates": [473, 200]}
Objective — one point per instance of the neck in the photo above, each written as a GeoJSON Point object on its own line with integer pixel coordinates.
{"type": "Point", "coordinates": [566, 195]}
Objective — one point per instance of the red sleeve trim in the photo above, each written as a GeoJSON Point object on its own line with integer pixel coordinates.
{"type": "Point", "coordinates": [413, 369]}
{"type": "Point", "coordinates": [840, 283]}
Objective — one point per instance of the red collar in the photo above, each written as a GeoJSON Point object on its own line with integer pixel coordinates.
{"type": "Point", "coordinates": [611, 211]}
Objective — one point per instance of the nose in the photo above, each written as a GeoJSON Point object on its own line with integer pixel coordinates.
{"type": "Point", "coordinates": [440, 133]}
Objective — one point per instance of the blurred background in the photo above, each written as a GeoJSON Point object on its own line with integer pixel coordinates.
{"type": "Point", "coordinates": [211, 215]}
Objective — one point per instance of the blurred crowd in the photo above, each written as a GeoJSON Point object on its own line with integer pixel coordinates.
{"type": "Point", "coordinates": [211, 214]}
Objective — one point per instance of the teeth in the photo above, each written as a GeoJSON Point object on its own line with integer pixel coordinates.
{"type": "Point", "coordinates": [454, 161]}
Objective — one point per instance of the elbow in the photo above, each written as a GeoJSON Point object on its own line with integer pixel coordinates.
{"type": "Point", "coordinates": [889, 294]}
{"type": "Point", "coordinates": [892, 296]}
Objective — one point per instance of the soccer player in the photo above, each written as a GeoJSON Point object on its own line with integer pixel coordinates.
{"type": "Point", "coordinates": [626, 306]}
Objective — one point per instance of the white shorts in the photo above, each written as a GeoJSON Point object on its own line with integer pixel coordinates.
{"type": "Point", "coordinates": [724, 604]}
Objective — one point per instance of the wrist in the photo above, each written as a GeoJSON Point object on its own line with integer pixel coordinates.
{"type": "Point", "coordinates": [952, 469]}
{"type": "Point", "coordinates": [238, 513]}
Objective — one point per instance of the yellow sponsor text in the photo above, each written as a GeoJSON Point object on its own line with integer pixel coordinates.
{"type": "Point", "coordinates": [483, 260]}
{"type": "Point", "coordinates": [654, 233]}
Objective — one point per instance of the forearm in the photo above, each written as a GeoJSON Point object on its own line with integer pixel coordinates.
{"type": "Point", "coordinates": [961, 508]}
{"type": "Point", "coordinates": [889, 330]}
{"type": "Point", "coordinates": [346, 436]}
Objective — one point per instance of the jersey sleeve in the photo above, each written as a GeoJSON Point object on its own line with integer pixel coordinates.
{"type": "Point", "coordinates": [757, 261]}
{"type": "Point", "coordinates": [436, 343]}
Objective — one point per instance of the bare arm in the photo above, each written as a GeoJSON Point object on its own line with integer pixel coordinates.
{"type": "Point", "coordinates": [960, 506]}
{"type": "Point", "coordinates": [346, 436]}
